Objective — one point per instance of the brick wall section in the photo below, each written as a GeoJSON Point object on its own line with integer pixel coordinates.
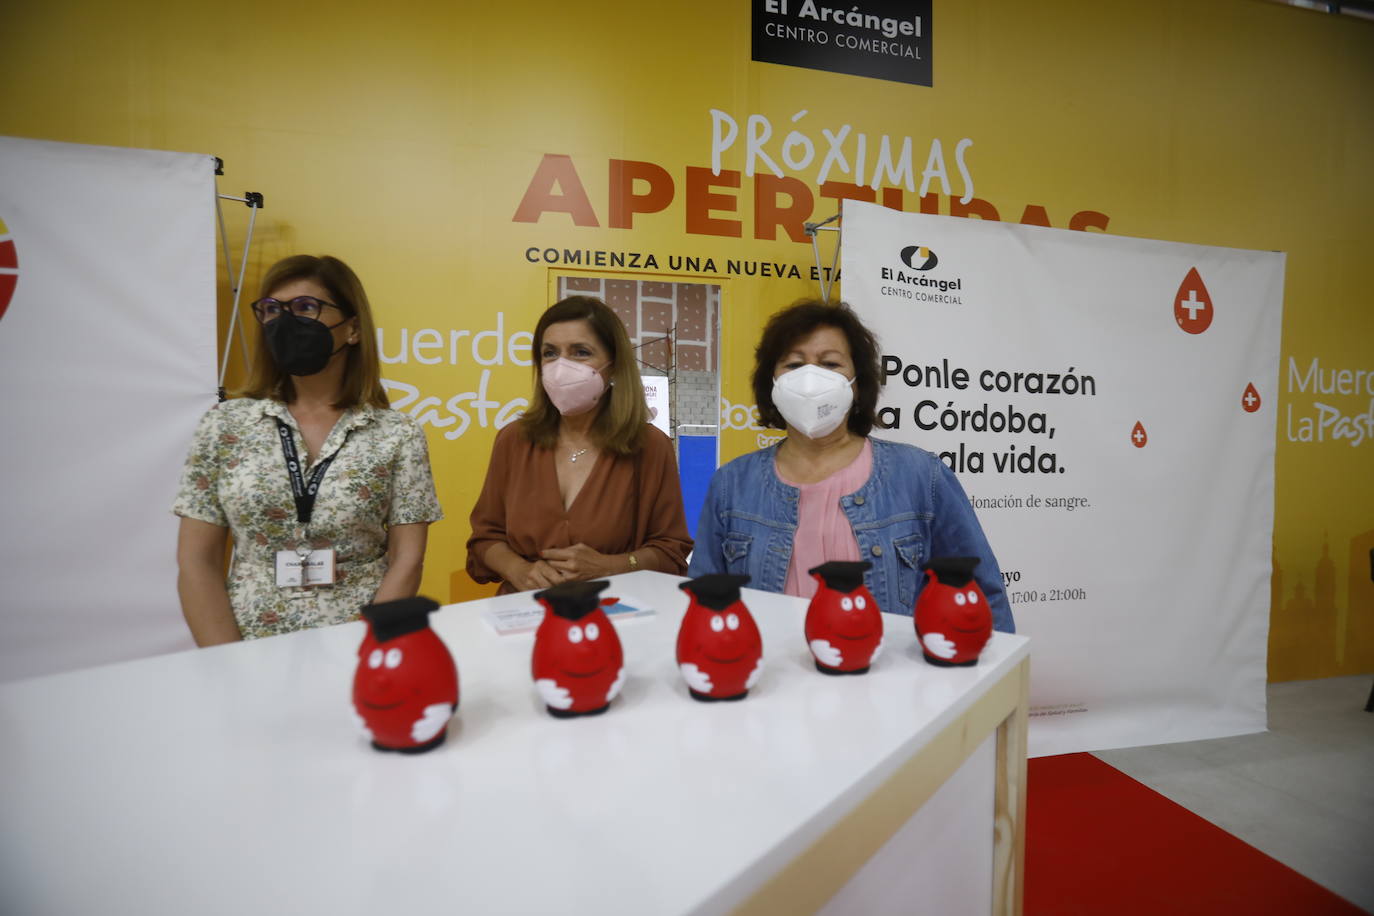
{"type": "Point", "coordinates": [698, 401]}
{"type": "Point", "coordinates": [623, 297]}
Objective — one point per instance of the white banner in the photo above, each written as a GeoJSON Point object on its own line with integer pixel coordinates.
{"type": "Point", "coordinates": [107, 358]}
{"type": "Point", "coordinates": [1109, 405]}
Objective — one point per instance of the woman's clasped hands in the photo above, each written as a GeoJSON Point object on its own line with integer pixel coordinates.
{"type": "Point", "coordinates": [565, 564]}
{"type": "Point", "coordinates": [570, 564]}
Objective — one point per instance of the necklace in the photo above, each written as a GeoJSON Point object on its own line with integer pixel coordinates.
{"type": "Point", "coordinates": [578, 454]}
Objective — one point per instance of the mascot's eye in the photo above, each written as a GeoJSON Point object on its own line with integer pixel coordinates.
{"type": "Point", "coordinates": [847, 603]}
{"type": "Point", "coordinates": [972, 597]}
{"type": "Point", "coordinates": [574, 634]}
{"type": "Point", "coordinates": [374, 659]}
{"type": "Point", "coordinates": [393, 657]}
{"type": "Point", "coordinates": [860, 603]}
{"type": "Point", "coordinates": [732, 621]}
{"type": "Point", "coordinates": [959, 599]}
{"type": "Point", "coordinates": [717, 622]}
{"type": "Point", "coordinates": [592, 631]}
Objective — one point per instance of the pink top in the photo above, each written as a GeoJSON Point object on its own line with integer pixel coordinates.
{"type": "Point", "coordinates": [823, 530]}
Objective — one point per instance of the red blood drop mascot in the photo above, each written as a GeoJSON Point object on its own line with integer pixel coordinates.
{"type": "Point", "coordinates": [719, 649]}
{"type": "Point", "coordinates": [953, 620]}
{"type": "Point", "coordinates": [578, 664]}
{"type": "Point", "coordinates": [406, 686]}
{"type": "Point", "coordinates": [844, 626]}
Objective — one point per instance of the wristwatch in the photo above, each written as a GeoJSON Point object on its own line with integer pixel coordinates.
{"type": "Point", "coordinates": [634, 561]}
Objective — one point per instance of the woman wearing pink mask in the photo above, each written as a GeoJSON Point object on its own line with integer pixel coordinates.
{"type": "Point", "coordinates": [582, 486]}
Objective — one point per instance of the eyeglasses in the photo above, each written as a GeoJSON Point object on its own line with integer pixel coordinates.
{"type": "Point", "coordinates": [269, 309]}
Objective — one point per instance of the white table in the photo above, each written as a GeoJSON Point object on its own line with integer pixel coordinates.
{"type": "Point", "coordinates": [232, 780]}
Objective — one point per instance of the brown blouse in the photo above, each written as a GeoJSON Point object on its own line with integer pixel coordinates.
{"type": "Point", "coordinates": [627, 502]}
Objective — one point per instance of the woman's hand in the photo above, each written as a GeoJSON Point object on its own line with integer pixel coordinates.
{"type": "Point", "coordinates": [580, 562]}
{"type": "Point", "coordinates": [536, 575]}
{"type": "Point", "coordinates": [521, 574]}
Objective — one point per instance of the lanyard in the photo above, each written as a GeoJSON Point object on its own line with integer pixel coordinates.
{"type": "Point", "coordinates": [302, 491]}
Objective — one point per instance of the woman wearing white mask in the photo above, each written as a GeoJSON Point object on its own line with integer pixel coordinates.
{"type": "Point", "coordinates": [829, 491]}
{"type": "Point", "coordinates": [582, 486]}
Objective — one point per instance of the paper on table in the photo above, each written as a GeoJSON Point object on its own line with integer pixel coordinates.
{"type": "Point", "coordinates": [525, 618]}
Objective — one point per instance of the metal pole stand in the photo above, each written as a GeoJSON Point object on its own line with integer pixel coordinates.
{"type": "Point", "coordinates": [827, 280]}
{"type": "Point", "coordinates": [254, 201]}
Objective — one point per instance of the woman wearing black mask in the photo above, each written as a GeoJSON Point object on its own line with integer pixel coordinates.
{"type": "Point", "coordinates": [326, 490]}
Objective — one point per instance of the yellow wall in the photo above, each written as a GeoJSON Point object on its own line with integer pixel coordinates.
{"type": "Point", "coordinates": [403, 136]}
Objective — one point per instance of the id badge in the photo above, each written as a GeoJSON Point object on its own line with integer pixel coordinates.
{"type": "Point", "coordinates": [315, 568]}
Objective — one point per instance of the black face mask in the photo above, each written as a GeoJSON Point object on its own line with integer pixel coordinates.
{"type": "Point", "coordinates": [300, 346]}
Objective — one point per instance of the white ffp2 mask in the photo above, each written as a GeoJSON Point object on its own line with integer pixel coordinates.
{"type": "Point", "coordinates": [814, 401]}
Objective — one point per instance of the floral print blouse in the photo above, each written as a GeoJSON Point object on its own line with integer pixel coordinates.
{"type": "Point", "coordinates": [235, 477]}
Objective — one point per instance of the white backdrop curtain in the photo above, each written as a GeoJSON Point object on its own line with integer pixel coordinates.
{"type": "Point", "coordinates": [107, 358]}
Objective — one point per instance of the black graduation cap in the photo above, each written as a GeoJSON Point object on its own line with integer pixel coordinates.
{"type": "Point", "coordinates": [573, 600]}
{"type": "Point", "coordinates": [715, 590]}
{"type": "Point", "coordinates": [843, 576]}
{"type": "Point", "coordinates": [955, 571]}
{"type": "Point", "coordinates": [397, 618]}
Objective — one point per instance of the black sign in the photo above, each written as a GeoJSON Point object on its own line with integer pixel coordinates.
{"type": "Point", "coordinates": [884, 39]}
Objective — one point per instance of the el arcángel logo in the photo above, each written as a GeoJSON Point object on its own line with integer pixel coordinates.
{"type": "Point", "coordinates": [919, 257]}
{"type": "Point", "coordinates": [916, 281]}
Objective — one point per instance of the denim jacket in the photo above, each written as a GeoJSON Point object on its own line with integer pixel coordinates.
{"type": "Point", "coordinates": [911, 508]}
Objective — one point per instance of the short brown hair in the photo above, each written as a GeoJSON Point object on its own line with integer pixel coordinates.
{"type": "Point", "coordinates": [362, 382]}
{"type": "Point", "coordinates": [798, 320]}
{"type": "Point", "coordinates": [622, 415]}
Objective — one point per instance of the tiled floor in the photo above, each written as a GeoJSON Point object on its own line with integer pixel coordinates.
{"type": "Point", "coordinates": [1303, 792]}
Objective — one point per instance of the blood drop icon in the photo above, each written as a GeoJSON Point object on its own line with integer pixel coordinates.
{"type": "Point", "coordinates": [1193, 304]}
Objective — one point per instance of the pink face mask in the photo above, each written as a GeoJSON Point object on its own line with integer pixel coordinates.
{"type": "Point", "coordinates": [573, 387]}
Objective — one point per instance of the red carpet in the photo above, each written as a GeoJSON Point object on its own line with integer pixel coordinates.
{"type": "Point", "coordinates": [1098, 842]}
